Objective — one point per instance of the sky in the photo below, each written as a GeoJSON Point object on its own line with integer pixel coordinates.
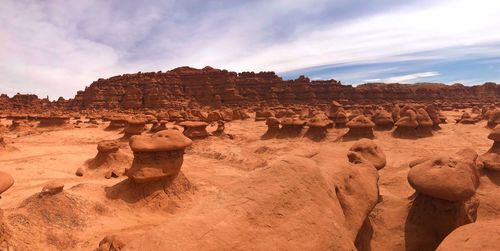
{"type": "Point", "coordinates": [54, 48]}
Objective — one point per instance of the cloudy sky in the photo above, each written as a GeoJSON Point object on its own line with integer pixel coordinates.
{"type": "Point", "coordinates": [55, 48]}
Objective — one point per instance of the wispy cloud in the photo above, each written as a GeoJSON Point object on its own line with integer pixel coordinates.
{"type": "Point", "coordinates": [405, 78]}
{"type": "Point", "coordinates": [57, 47]}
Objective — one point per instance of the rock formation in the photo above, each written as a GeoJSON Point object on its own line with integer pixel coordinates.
{"type": "Point", "coordinates": [291, 126]}
{"type": "Point", "coordinates": [156, 168]}
{"type": "Point", "coordinates": [273, 128]}
{"type": "Point", "coordinates": [208, 86]}
{"type": "Point", "coordinates": [318, 126]}
{"type": "Point", "coordinates": [195, 129]}
{"type": "Point", "coordinates": [110, 158]}
{"type": "Point", "coordinates": [360, 127]}
{"type": "Point", "coordinates": [484, 235]}
{"type": "Point", "coordinates": [383, 119]}
{"type": "Point", "coordinates": [444, 200]}
{"type": "Point", "coordinates": [365, 150]}
{"type": "Point", "coordinates": [134, 127]}
{"type": "Point", "coordinates": [491, 159]}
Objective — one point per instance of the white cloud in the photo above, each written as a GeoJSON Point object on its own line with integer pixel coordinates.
{"type": "Point", "coordinates": [58, 47]}
{"type": "Point", "coordinates": [405, 78]}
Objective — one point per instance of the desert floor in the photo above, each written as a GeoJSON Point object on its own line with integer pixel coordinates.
{"type": "Point", "coordinates": [85, 216]}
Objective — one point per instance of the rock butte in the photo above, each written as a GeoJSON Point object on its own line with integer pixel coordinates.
{"type": "Point", "coordinates": [273, 164]}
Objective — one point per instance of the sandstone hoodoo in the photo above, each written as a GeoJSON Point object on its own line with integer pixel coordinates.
{"type": "Point", "coordinates": [406, 125]}
{"type": "Point", "coordinates": [318, 126]}
{"type": "Point", "coordinates": [493, 118]}
{"type": "Point", "coordinates": [156, 169]}
{"type": "Point", "coordinates": [434, 116]}
{"type": "Point", "coordinates": [116, 123]}
{"type": "Point", "coordinates": [291, 127]}
{"type": "Point", "coordinates": [467, 119]}
{"type": "Point", "coordinates": [365, 150]}
{"type": "Point", "coordinates": [134, 127]}
{"type": "Point", "coordinates": [445, 188]}
{"type": "Point", "coordinates": [491, 159]}
{"type": "Point", "coordinates": [195, 129]}
{"type": "Point", "coordinates": [263, 115]}
{"type": "Point", "coordinates": [110, 157]}
{"type": "Point", "coordinates": [158, 126]}
{"type": "Point", "coordinates": [382, 119]}
{"type": "Point", "coordinates": [360, 127]}
{"type": "Point", "coordinates": [425, 123]}
{"type": "Point", "coordinates": [334, 107]}
{"type": "Point", "coordinates": [340, 118]}
{"type": "Point", "coordinates": [273, 128]}
{"type": "Point", "coordinates": [157, 157]}
{"type": "Point", "coordinates": [53, 120]}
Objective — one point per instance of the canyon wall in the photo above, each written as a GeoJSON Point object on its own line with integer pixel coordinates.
{"type": "Point", "coordinates": [184, 86]}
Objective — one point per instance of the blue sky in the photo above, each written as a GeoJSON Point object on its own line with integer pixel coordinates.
{"type": "Point", "coordinates": [55, 47]}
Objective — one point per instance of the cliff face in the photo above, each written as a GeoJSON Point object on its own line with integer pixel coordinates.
{"type": "Point", "coordinates": [208, 86]}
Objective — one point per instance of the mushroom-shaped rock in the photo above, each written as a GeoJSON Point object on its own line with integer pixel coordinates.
{"type": "Point", "coordinates": [406, 126]}
{"type": "Point", "coordinates": [434, 115]}
{"type": "Point", "coordinates": [195, 129]}
{"type": "Point", "coordinates": [466, 118]}
{"type": "Point", "coordinates": [134, 127]}
{"type": "Point", "coordinates": [116, 123]}
{"type": "Point", "coordinates": [6, 181]}
{"type": "Point", "coordinates": [334, 107]}
{"type": "Point", "coordinates": [291, 126]}
{"type": "Point", "coordinates": [444, 199]}
{"type": "Point", "coordinates": [366, 151]}
{"type": "Point", "coordinates": [360, 127]}
{"type": "Point", "coordinates": [383, 119]}
{"type": "Point", "coordinates": [263, 115]}
{"type": "Point", "coordinates": [158, 156]}
{"type": "Point", "coordinates": [53, 121]}
{"type": "Point", "coordinates": [451, 178]}
{"type": "Point", "coordinates": [318, 126]}
{"type": "Point", "coordinates": [494, 118]}
{"type": "Point", "coordinates": [491, 159]}
{"type": "Point", "coordinates": [273, 128]}
{"type": "Point", "coordinates": [484, 235]}
{"type": "Point", "coordinates": [110, 156]}
{"type": "Point", "coordinates": [340, 118]}
{"type": "Point", "coordinates": [159, 126]}
{"type": "Point", "coordinates": [425, 123]}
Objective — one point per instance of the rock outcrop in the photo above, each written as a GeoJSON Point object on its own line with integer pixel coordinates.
{"type": "Point", "coordinates": [475, 236]}
{"type": "Point", "coordinates": [444, 199]}
{"type": "Point", "coordinates": [208, 86]}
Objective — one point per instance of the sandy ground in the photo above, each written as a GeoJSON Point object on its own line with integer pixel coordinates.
{"type": "Point", "coordinates": [211, 165]}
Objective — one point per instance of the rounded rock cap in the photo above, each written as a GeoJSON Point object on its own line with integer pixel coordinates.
{"type": "Point", "coordinates": [162, 141]}
{"type": "Point", "coordinates": [193, 123]}
{"type": "Point", "coordinates": [483, 235]}
{"type": "Point", "coordinates": [108, 146]}
{"type": "Point", "coordinates": [360, 121]}
{"type": "Point", "coordinates": [447, 178]}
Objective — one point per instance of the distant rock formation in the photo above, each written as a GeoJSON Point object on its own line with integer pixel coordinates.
{"type": "Point", "coordinates": [208, 86]}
